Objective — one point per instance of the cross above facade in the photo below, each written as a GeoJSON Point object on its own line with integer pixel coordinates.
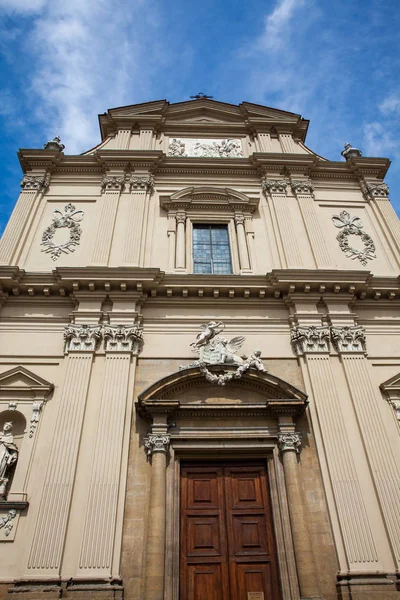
{"type": "Point", "coordinates": [201, 96]}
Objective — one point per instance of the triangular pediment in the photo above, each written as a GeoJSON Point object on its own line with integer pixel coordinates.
{"type": "Point", "coordinates": [22, 384]}
{"type": "Point", "coordinates": [391, 387]}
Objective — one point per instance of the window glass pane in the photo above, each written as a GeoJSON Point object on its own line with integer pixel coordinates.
{"type": "Point", "coordinates": [219, 235]}
{"type": "Point", "coordinates": [211, 251]}
{"type": "Point", "coordinates": [202, 268]}
{"type": "Point", "coordinates": [222, 268]}
{"type": "Point", "coordinates": [201, 235]}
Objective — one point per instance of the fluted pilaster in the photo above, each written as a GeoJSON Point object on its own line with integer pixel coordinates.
{"type": "Point", "coordinates": [112, 187]}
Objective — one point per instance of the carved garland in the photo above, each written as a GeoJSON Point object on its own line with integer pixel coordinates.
{"type": "Point", "coordinates": [353, 226]}
{"type": "Point", "coordinates": [69, 219]}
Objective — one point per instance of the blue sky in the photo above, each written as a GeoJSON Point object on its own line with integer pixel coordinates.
{"type": "Point", "coordinates": [62, 62]}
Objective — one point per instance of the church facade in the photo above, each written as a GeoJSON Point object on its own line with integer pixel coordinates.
{"type": "Point", "coordinates": [200, 365]}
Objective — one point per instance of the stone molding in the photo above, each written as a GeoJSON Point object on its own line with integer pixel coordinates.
{"type": "Point", "coordinates": [289, 441]}
{"type": "Point", "coordinates": [310, 339]}
{"type": "Point", "coordinates": [156, 443]}
{"type": "Point", "coordinates": [112, 183]}
{"type": "Point", "coordinates": [36, 410]}
{"type": "Point", "coordinates": [377, 190]}
{"type": "Point", "coordinates": [39, 183]}
{"type": "Point", "coordinates": [348, 339]}
{"type": "Point", "coordinates": [123, 338]}
{"type": "Point", "coordinates": [80, 338]}
{"type": "Point", "coordinates": [137, 183]}
{"type": "Point", "coordinates": [302, 186]}
{"type": "Point", "coordinates": [274, 186]}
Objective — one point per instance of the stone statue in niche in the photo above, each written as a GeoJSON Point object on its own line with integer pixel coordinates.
{"type": "Point", "coordinates": [214, 349]}
{"type": "Point", "coordinates": [8, 456]}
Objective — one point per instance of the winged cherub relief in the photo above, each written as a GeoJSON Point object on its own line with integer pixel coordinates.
{"type": "Point", "coordinates": [214, 349]}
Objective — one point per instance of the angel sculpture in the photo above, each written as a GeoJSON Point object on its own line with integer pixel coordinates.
{"type": "Point", "coordinates": [209, 331]}
{"type": "Point", "coordinates": [229, 349]}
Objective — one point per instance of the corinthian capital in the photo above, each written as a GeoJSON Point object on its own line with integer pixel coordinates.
{"type": "Point", "coordinates": [239, 219]}
{"type": "Point", "coordinates": [274, 186]}
{"type": "Point", "coordinates": [35, 182]}
{"type": "Point", "coordinates": [378, 190]}
{"type": "Point", "coordinates": [348, 339]}
{"type": "Point", "coordinates": [141, 183]}
{"type": "Point", "coordinates": [302, 186]}
{"type": "Point", "coordinates": [156, 443]}
{"type": "Point", "coordinates": [113, 182]}
{"type": "Point", "coordinates": [310, 339]}
{"type": "Point", "coordinates": [289, 441]}
{"type": "Point", "coordinates": [122, 338]}
{"type": "Point", "coordinates": [82, 338]}
{"type": "Point", "coordinates": [181, 217]}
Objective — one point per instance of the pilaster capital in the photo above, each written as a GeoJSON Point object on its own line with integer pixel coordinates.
{"type": "Point", "coordinates": [82, 338]}
{"type": "Point", "coordinates": [141, 183]}
{"type": "Point", "coordinates": [302, 186]}
{"type": "Point", "coordinates": [310, 339]}
{"type": "Point", "coordinates": [289, 441]}
{"type": "Point", "coordinates": [113, 182]}
{"type": "Point", "coordinates": [39, 183]}
{"type": "Point", "coordinates": [348, 339]}
{"type": "Point", "coordinates": [378, 190]}
{"type": "Point", "coordinates": [181, 217]}
{"type": "Point", "coordinates": [123, 338]}
{"type": "Point", "coordinates": [156, 443]}
{"type": "Point", "coordinates": [239, 219]}
{"type": "Point", "coordinates": [274, 186]}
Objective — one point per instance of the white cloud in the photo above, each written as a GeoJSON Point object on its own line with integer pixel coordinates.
{"type": "Point", "coordinates": [276, 23]}
{"type": "Point", "coordinates": [391, 104]}
{"type": "Point", "coordinates": [378, 140]}
{"type": "Point", "coordinates": [87, 56]}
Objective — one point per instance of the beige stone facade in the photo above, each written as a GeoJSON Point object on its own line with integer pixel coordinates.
{"type": "Point", "coordinates": [101, 305]}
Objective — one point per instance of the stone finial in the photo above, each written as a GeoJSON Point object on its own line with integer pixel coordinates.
{"type": "Point", "coordinates": [54, 144]}
{"type": "Point", "coordinates": [349, 152]}
{"type": "Point", "coordinates": [289, 441]}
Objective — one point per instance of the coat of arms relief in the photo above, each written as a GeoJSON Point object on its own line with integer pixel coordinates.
{"type": "Point", "coordinates": [214, 349]}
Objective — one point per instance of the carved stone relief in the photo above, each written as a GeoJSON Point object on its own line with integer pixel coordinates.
{"type": "Point", "coordinates": [274, 186]}
{"type": "Point", "coordinates": [122, 338]}
{"type": "Point", "coordinates": [353, 226]}
{"type": "Point", "coordinates": [289, 441]}
{"type": "Point", "coordinates": [8, 456]}
{"type": "Point", "coordinates": [206, 148]}
{"type": "Point", "coordinates": [378, 190]}
{"type": "Point", "coordinates": [70, 219]}
{"type": "Point", "coordinates": [7, 521]}
{"type": "Point", "coordinates": [310, 339]}
{"type": "Point", "coordinates": [302, 186]}
{"type": "Point", "coordinates": [82, 337]}
{"type": "Point", "coordinates": [112, 182]}
{"type": "Point", "coordinates": [141, 183]}
{"type": "Point", "coordinates": [156, 443]}
{"type": "Point", "coordinates": [214, 349]}
{"type": "Point", "coordinates": [35, 182]}
{"type": "Point", "coordinates": [36, 409]}
{"type": "Point", "coordinates": [348, 338]}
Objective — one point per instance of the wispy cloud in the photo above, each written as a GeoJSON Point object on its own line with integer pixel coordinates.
{"type": "Point", "coordinates": [277, 23]}
{"type": "Point", "coordinates": [88, 55]}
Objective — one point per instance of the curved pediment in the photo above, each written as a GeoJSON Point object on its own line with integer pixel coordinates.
{"type": "Point", "coordinates": [209, 197]}
{"type": "Point", "coordinates": [188, 388]}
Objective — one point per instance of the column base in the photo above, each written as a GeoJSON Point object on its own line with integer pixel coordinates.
{"type": "Point", "coordinates": [82, 589]}
{"type": "Point", "coordinates": [368, 586]}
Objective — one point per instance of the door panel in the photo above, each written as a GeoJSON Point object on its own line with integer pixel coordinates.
{"type": "Point", "coordinates": [227, 543]}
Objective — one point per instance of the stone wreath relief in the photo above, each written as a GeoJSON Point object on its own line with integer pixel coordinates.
{"type": "Point", "coordinates": [70, 220]}
{"type": "Point", "coordinates": [353, 226]}
{"type": "Point", "coordinates": [214, 349]}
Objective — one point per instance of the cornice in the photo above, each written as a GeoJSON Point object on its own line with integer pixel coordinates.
{"type": "Point", "coordinates": [154, 284]}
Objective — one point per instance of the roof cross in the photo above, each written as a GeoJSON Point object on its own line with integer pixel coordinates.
{"type": "Point", "coordinates": [201, 96]}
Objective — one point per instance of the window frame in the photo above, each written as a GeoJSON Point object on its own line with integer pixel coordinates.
{"type": "Point", "coordinates": [212, 220]}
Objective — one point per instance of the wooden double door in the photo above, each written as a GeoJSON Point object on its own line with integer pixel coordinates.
{"type": "Point", "coordinates": [227, 543]}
